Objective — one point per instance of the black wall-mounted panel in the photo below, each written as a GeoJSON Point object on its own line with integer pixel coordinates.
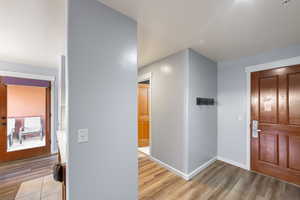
{"type": "Point", "coordinates": [205, 101]}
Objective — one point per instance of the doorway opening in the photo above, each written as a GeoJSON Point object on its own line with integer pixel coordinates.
{"type": "Point", "coordinates": [26, 113]}
{"type": "Point", "coordinates": [144, 117]}
{"type": "Point", "coordinates": [25, 118]}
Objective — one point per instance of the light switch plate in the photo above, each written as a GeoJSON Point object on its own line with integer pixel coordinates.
{"type": "Point", "coordinates": [240, 118]}
{"type": "Point", "coordinates": [83, 135]}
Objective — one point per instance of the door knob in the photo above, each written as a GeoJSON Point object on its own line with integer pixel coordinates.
{"type": "Point", "coordinates": [256, 133]}
{"type": "Point", "coordinates": [3, 124]}
{"type": "Point", "coordinates": [255, 129]}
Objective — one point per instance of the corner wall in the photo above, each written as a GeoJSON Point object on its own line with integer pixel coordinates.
{"type": "Point", "coordinates": [202, 120]}
{"type": "Point", "coordinates": [168, 90]}
{"type": "Point", "coordinates": [183, 135]}
{"type": "Point", "coordinates": [102, 97]}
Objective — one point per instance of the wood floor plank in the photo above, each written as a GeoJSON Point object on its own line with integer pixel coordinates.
{"type": "Point", "coordinates": [220, 181]}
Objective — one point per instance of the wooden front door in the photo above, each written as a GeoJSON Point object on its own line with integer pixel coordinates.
{"type": "Point", "coordinates": [15, 142]}
{"type": "Point", "coordinates": [143, 115]}
{"type": "Point", "coordinates": [275, 114]}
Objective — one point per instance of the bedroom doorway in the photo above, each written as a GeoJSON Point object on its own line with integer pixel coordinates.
{"type": "Point", "coordinates": [144, 116]}
{"type": "Point", "coordinates": [25, 118]}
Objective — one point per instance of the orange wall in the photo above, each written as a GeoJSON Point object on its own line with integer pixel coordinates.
{"type": "Point", "coordinates": [24, 101]}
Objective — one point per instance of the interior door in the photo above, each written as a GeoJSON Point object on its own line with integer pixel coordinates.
{"type": "Point", "coordinates": [143, 115]}
{"type": "Point", "coordinates": [275, 113]}
{"type": "Point", "coordinates": [9, 139]}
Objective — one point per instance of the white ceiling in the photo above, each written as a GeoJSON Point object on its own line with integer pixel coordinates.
{"type": "Point", "coordinates": [32, 31]}
{"type": "Point", "coordinates": [218, 29]}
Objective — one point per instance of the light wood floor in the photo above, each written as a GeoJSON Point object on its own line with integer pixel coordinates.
{"type": "Point", "coordinates": [13, 174]}
{"type": "Point", "coordinates": [220, 181]}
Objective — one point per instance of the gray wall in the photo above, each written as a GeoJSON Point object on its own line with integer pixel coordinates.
{"type": "Point", "coordinates": [202, 120]}
{"type": "Point", "coordinates": [232, 101]}
{"type": "Point", "coordinates": [167, 109]}
{"type": "Point", "coordinates": [21, 68]}
{"type": "Point", "coordinates": [183, 135]}
{"type": "Point", "coordinates": [102, 81]}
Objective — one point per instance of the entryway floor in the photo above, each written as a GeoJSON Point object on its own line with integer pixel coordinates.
{"type": "Point", "coordinates": [145, 150]}
{"type": "Point", "coordinates": [29, 179]}
{"type": "Point", "coordinates": [44, 188]}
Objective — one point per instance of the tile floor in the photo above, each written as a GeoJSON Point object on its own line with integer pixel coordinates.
{"type": "Point", "coordinates": [44, 188]}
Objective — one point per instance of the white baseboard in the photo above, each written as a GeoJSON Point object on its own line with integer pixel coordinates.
{"type": "Point", "coordinates": [237, 164]}
{"type": "Point", "coordinates": [185, 176]}
{"type": "Point", "coordinates": [201, 168]}
{"type": "Point", "coordinates": [170, 168]}
{"type": "Point", "coordinates": [191, 175]}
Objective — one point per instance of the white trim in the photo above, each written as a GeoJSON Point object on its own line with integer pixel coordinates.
{"type": "Point", "coordinates": [170, 168]}
{"type": "Point", "coordinates": [45, 78]}
{"type": "Point", "coordinates": [260, 67]}
{"type": "Point", "coordinates": [186, 112]}
{"type": "Point", "coordinates": [146, 77]}
{"type": "Point", "coordinates": [237, 164]}
{"type": "Point", "coordinates": [61, 88]}
{"type": "Point", "coordinates": [201, 168]}
{"type": "Point", "coordinates": [53, 132]}
{"type": "Point", "coordinates": [272, 65]}
{"type": "Point", "coordinates": [183, 175]}
{"type": "Point", "coordinates": [248, 123]}
{"type": "Point", "coordinates": [25, 75]}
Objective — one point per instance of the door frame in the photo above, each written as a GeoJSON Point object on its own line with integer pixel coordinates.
{"type": "Point", "coordinates": [52, 101]}
{"type": "Point", "coordinates": [146, 77]}
{"type": "Point", "coordinates": [249, 70]}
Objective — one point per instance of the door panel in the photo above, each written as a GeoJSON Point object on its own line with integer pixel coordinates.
{"type": "Point", "coordinates": [143, 115]}
{"type": "Point", "coordinates": [275, 104]}
{"type": "Point", "coordinates": [268, 99]}
{"type": "Point", "coordinates": [282, 100]}
{"type": "Point", "coordinates": [294, 98]}
{"type": "Point", "coordinates": [268, 146]}
{"type": "Point", "coordinates": [294, 149]}
{"type": "Point", "coordinates": [143, 100]}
